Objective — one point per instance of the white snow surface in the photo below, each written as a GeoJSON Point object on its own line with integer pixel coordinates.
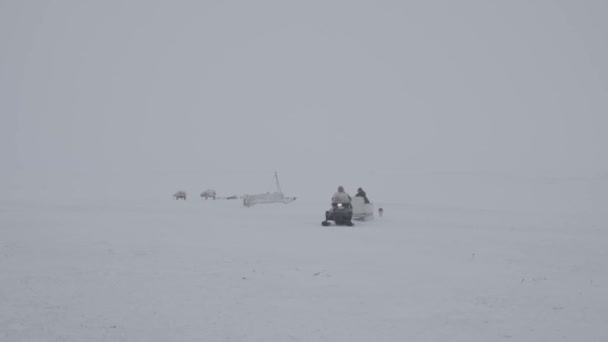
{"type": "Point", "coordinates": [166, 270]}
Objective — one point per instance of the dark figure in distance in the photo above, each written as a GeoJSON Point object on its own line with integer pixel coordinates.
{"type": "Point", "coordinates": [361, 193]}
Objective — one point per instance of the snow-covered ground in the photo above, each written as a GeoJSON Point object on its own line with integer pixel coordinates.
{"type": "Point", "coordinates": [166, 270]}
{"type": "Point", "coordinates": [479, 126]}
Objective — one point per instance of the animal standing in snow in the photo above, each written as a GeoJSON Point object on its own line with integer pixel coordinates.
{"type": "Point", "coordinates": [209, 193]}
{"type": "Point", "coordinates": [180, 194]}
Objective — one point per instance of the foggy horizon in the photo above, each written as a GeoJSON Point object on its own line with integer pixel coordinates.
{"type": "Point", "coordinates": [151, 97]}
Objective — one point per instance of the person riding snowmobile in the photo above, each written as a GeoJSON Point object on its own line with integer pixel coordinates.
{"type": "Point", "coordinates": [341, 211]}
{"type": "Point", "coordinates": [341, 196]}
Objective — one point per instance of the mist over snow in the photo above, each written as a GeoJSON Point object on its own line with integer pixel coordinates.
{"type": "Point", "coordinates": [146, 97]}
{"type": "Point", "coordinates": [472, 122]}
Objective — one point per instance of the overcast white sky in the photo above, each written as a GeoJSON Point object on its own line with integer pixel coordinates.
{"type": "Point", "coordinates": [148, 97]}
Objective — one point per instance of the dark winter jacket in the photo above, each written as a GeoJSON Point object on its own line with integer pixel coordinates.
{"type": "Point", "coordinates": [361, 193]}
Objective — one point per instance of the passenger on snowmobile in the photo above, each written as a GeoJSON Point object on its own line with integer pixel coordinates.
{"type": "Point", "coordinates": [361, 193]}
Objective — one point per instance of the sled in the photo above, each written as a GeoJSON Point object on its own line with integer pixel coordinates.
{"type": "Point", "coordinates": [362, 211]}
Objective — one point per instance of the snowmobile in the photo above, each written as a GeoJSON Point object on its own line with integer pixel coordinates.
{"type": "Point", "coordinates": [340, 213]}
